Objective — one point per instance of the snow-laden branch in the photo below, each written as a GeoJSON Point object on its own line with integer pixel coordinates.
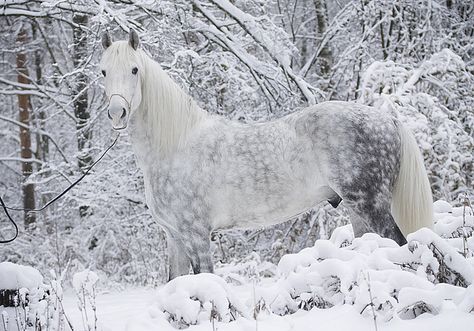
{"type": "Point", "coordinates": [263, 73]}
{"type": "Point", "coordinates": [7, 11]}
{"type": "Point", "coordinates": [253, 28]}
{"type": "Point", "coordinates": [35, 130]}
{"type": "Point", "coordinates": [335, 27]}
{"type": "Point", "coordinates": [21, 92]}
{"type": "Point", "coordinates": [26, 86]}
{"type": "Point", "coordinates": [117, 16]}
{"type": "Point", "coordinates": [19, 159]}
{"type": "Point", "coordinates": [24, 11]}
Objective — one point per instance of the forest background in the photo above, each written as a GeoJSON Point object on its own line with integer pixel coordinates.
{"type": "Point", "coordinates": [249, 60]}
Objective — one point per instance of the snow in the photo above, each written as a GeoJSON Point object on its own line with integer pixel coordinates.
{"type": "Point", "coordinates": [84, 281]}
{"type": "Point", "coordinates": [15, 276]}
{"type": "Point", "coordinates": [36, 306]}
{"type": "Point", "coordinates": [442, 206]}
{"type": "Point", "coordinates": [115, 308]}
{"type": "Point", "coordinates": [188, 300]}
{"type": "Point", "coordinates": [329, 285]}
{"type": "Point", "coordinates": [132, 310]}
{"type": "Point", "coordinates": [338, 284]}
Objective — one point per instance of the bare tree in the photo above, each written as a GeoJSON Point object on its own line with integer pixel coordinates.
{"type": "Point", "coordinates": [325, 53]}
{"type": "Point", "coordinates": [24, 104]}
{"type": "Point", "coordinates": [81, 102]}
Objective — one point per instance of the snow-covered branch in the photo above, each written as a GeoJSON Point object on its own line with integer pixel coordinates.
{"type": "Point", "coordinates": [279, 53]}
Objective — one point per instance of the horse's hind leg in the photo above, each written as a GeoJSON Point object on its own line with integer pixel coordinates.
{"type": "Point", "coordinates": [368, 199]}
{"type": "Point", "coordinates": [376, 218]}
{"type": "Point", "coordinates": [364, 167]}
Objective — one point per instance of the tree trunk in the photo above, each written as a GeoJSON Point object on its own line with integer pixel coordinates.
{"type": "Point", "coordinates": [25, 135]}
{"type": "Point", "coordinates": [325, 54]}
{"type": "Point", "coordinates": [81, 103]}
{"type": "Point", "coordinates": [42, 146]}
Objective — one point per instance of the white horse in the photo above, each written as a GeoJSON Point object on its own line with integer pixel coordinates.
{"type": "Point", "coordinates": [204, 172]}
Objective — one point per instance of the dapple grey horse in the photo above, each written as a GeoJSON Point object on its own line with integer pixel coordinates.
{"type": "Point", "coordinates": [204, 172]}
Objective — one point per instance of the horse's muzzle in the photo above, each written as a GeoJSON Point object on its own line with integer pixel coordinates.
{"type": "Point", "coordinates": [118, 116]}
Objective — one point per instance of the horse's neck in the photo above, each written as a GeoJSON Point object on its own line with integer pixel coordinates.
{"type": "Point", "coordinates": [165, 119]}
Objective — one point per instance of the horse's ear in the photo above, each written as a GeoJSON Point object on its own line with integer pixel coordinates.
{"type": "Point", "coordinates": [106, 41]}
{"type": "Point", "coordinates": [133, 39]}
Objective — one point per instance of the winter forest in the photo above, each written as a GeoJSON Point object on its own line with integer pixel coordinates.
{"type": "Point", "coordinates": [250, 61]}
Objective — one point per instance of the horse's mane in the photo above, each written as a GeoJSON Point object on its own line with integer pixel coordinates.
{"type": "Point", "coordinates": [169, 114]}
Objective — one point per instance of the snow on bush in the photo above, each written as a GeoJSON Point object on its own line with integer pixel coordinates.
{"type": "Point", "coordinates": [36, 305]}
{"type": "Point", "coordinates": [15, 276]}
{"type": "Point", "coordinates": [84, 284]}
{"type": "Point", "coordinates": [428, 99]}
{"type": "Point", "coordinates": [247, 269]}
{"type": "Point", "coordinates": [85, 281]}
{"type": "Point", "coordinates": [431, 274]}
{"type": "Point", "coordinates": [188, 300]}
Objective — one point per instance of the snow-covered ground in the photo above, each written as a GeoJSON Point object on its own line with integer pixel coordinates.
{"type": "Point", "coordinates": [338, 284]}
{"type": "Point", "coordinates": [114, 309]}
{"type": "Point", "coordinates": [133, 310]}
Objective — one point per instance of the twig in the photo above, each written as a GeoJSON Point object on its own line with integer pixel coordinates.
{"type": "Point", "coordinates": [466, 203]}
{"type": "Point", "coordinates": [372, 301]}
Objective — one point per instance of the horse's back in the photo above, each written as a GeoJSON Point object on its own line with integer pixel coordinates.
{"type": "Point", "coordinates": [338, 125]}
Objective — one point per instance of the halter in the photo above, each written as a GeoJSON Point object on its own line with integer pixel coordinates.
{"type": "Point", "coordinates": [129, 106]}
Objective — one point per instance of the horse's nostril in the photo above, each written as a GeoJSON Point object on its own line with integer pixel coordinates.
{"type": "Point", "coordinates": [124, 112]}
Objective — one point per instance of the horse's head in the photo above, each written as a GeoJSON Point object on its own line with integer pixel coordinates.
{"type": "Point", "coordinates": [122, 67]}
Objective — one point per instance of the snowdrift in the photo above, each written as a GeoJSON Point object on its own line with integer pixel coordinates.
{"type": "Point", "coordinates": [372, 276]}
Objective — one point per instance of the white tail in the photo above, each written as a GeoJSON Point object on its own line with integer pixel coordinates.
{"type": "Point", "coordinates": [412, 202]}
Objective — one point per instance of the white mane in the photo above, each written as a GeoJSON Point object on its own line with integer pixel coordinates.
{"type": "Point", "coordinates": [166, 113]}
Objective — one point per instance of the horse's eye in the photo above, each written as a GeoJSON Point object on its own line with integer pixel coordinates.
{"type": "Point", "coordinates": [103, 72]}
{"type": "Point", "coordinates": [134, 70]}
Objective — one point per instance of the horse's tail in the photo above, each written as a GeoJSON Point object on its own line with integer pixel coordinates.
{"type": "Point", "coordinates": [412, 203]}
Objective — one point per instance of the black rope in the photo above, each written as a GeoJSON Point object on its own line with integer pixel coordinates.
{"type": "Point", "coordinates": [6, 208]}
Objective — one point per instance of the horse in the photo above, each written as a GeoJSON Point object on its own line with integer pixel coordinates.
{"type": "Point", "coordinates": [204, 172]}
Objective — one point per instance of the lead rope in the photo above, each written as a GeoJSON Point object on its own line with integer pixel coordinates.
{"type": "Point", "coordinates": [6, 208]}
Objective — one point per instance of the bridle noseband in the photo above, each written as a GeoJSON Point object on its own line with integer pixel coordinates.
{"type": "Point", "coordinates": [129, 106]}
{"type": "Point", "coordinates": [129, 103]}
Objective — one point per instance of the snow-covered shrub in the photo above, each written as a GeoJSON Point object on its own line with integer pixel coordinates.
{"type": "Point", "coordinates": [341, 270]}
{"type": "Point", "coordinates": [85, 284]}
{"type": "Point", "coordinates": [188, 300]}
{"type": "Point", "coordinates": [453, 222]}
{"type": "Point", "coordinates": [372, 274]}
{"type": "Point", "coordinates": [429, 98]}
{"type": "Point", "coordinates": [439, 260]}
{"type": "Point", "coordinates": [36, 306]}
{"type": "Point", "coordinates": [247, 269]}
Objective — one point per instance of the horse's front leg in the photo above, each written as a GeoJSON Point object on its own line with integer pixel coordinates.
{"type": "Point", "coordinates": [178, 259]}
{"type": "Point", "coordinates": [195, 234]}
{"type": "Point", "coordinates": [199, 253]}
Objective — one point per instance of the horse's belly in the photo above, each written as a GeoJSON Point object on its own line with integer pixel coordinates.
{"type": "Point", "coordinates": [251, 211]}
